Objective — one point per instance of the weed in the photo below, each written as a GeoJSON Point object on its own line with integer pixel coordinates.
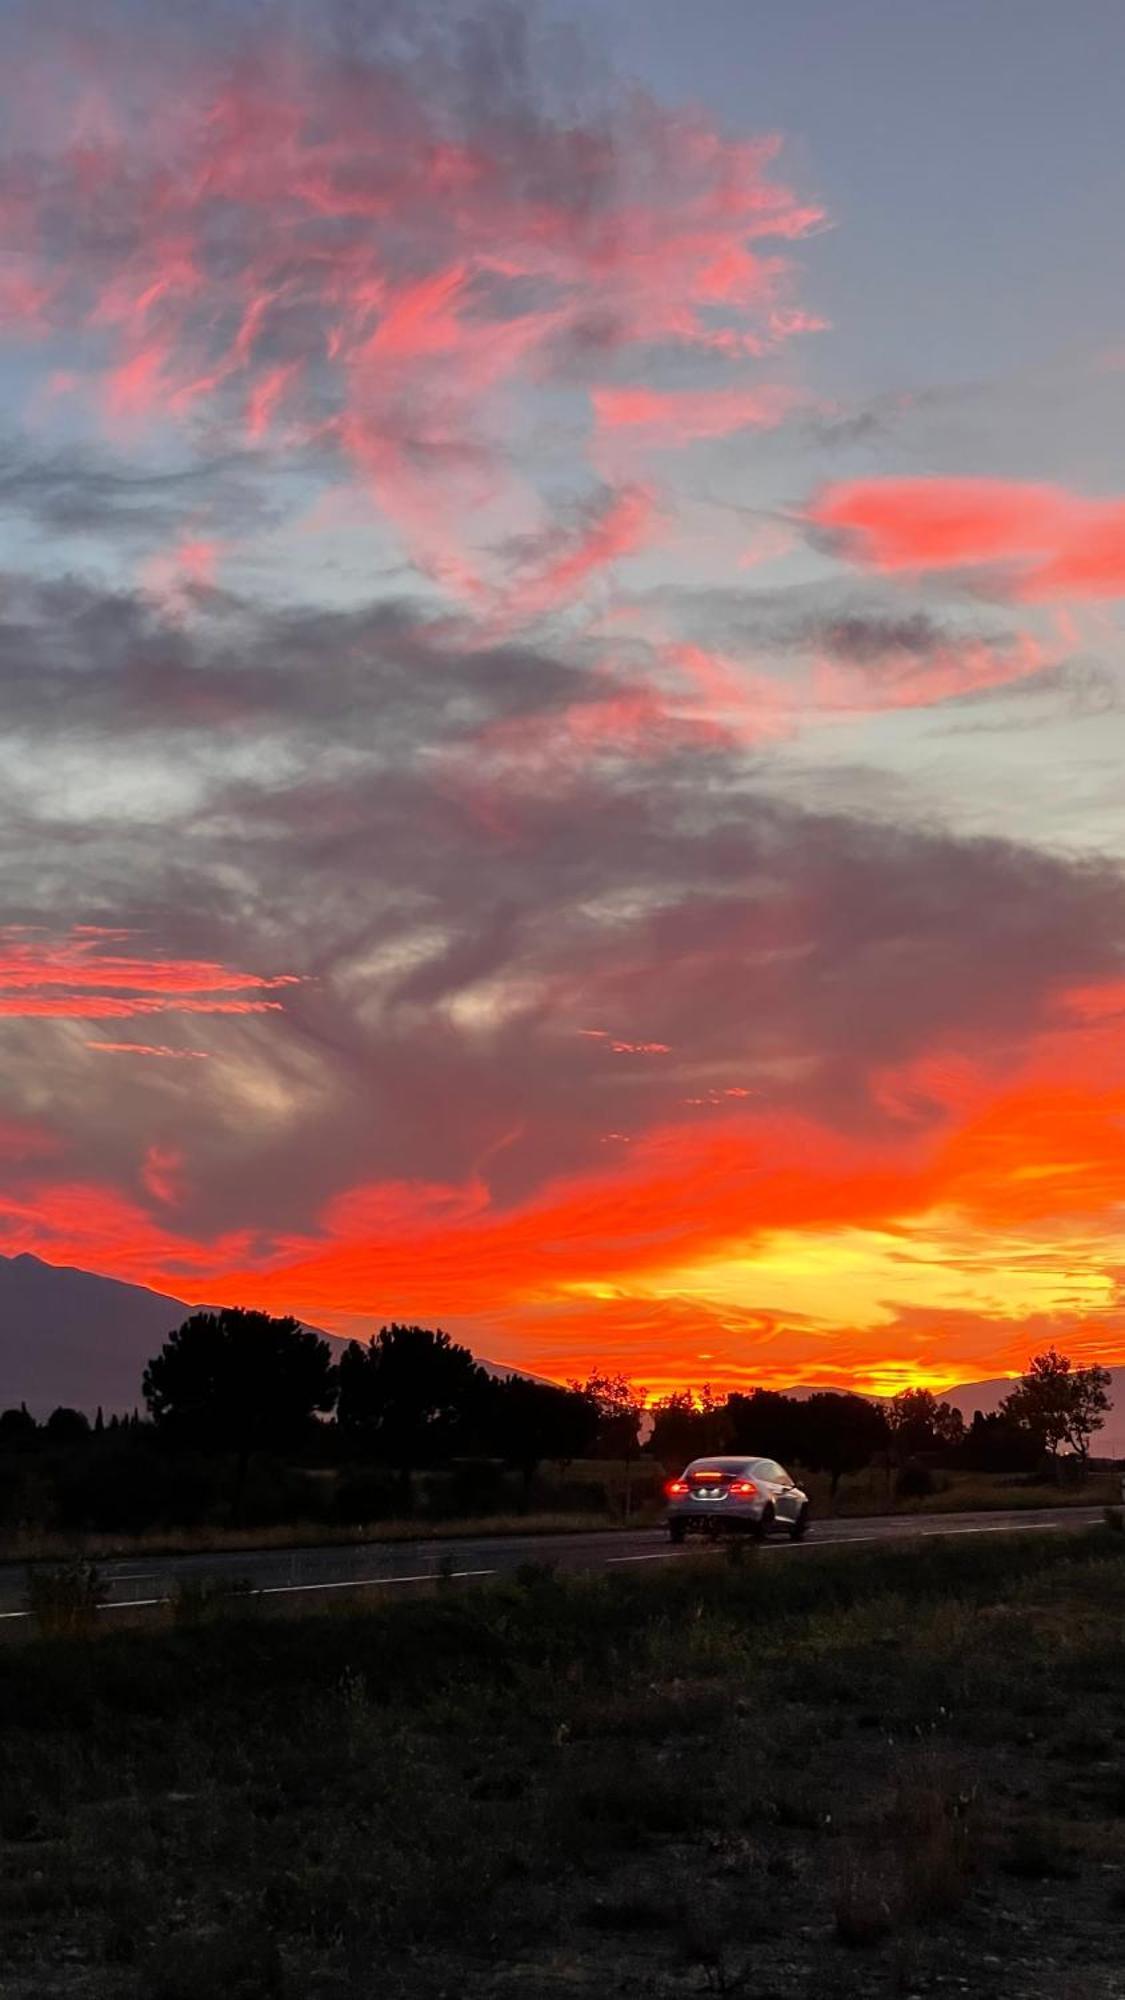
{"type": "Point", "coordinates": [1034, 1853]}
{"type": "Point", "coordinates": [240, 1963]}
{"type": "Point", "coordinates": [862, 1897]}
{"type": "Point", "coordinates": [64, 1601]}
{"type": "Point", "coordinates": [935, 1852]}
{"type": "Point", "coordinates": [536, 1575]}
{"type": "Point", "coordinates": [198, 1600]}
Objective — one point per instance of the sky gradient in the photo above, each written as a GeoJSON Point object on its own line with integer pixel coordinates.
{"type": "Point", "coordinates": [561, 674]}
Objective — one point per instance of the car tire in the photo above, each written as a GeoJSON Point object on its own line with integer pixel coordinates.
{"type": "Point", "coordinates": [762, 1527]}
{"type": "Point", "coordinates": [800, 1526]}
{"type": "Point", "coordinates": [676, 1532]}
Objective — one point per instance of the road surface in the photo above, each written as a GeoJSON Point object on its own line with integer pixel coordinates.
{"type": "Point", "coordinates": [388, 1567]}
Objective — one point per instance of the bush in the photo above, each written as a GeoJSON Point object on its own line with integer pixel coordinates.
{"type": "Point", "coordinates": [473, 1486]}
{"type": "Point", "coordinates": [915, 1481]}
{"type": "Point", "coordinates": [367, 1493]}
{"type": "Point", "coordinates": [126, 1486]}
{"type": "Point", "coordinates": [572, 1496]}
{"type": "Point", "coordinates": [198, 1600]}
{"type": "Point", "coordinates": [63, 1601]}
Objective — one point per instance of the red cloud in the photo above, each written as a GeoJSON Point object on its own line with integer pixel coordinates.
{"type": "Point", "coordinates": [1045, 541]}
{"type": "Point", "coordinates": [676, 417]}
{"type": "Point", "coordinates": [82, 977]}
{"type": "Point", "coordinates": [616, 529]}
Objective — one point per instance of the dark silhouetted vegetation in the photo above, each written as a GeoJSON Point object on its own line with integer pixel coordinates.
{"type": "Point", "coordinates": [253, 1423]}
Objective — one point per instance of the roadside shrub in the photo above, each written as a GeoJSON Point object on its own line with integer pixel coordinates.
{"type": "Point", "coordinates": [127, 1486]}
{"type": "Point", "coordinates": [915, 1481]}
{"type": "Point", "coordinates": [1115, 1519]}
{"type": "Point", "coordinates": [63, 1600]}
{"type": "Point", "coordinates": [366, 1493]}
{"type": "Point", "coordinates": [474, 1486]}
{"type": "Point", "coordinates": [572, 1496]}
{"type": "Point", "coordinates": [199, 1600]}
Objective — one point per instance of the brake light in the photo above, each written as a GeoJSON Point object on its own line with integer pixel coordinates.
{"type": "Point", "coordinates": [675, 1488]}
{"type": "Point", "coordinates": [744, 1488]}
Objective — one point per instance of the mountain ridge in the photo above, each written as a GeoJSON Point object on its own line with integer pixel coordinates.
{"type": "Point", "coordinates": [73, 1337]}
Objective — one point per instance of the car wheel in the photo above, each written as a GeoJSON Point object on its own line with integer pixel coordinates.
{"type": "Point", "coordinates": [762, 1527]}
{"type": "Point", "coordinates": [800, 1526]}
{"type": "Point", "coordinates": [676, 1532]}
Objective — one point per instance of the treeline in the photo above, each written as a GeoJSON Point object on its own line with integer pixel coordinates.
{"type": "Point", "coordinates": [252, 1420]}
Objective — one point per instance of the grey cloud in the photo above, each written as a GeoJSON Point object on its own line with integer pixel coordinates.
{"type": "Point", "coordinates": [451, 955]}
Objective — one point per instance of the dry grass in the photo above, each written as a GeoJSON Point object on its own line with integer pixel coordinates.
{"type": "Point", "coordinates": [41, 1547]}
{"type": "Point", "coordinates": [834, 1772]}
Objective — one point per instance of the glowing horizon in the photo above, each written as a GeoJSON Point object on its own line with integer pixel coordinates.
{"type": "Point", "coordinates": [561, 759]}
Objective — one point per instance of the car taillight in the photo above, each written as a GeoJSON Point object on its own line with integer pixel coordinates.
{"type": "Point", "coordinates": [744, 1488]}
{"type": "Point", "coordinates": [675, 1488]}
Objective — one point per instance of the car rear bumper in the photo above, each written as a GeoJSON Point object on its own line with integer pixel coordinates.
{"type": "Point", "coordinates": [706, 1519]}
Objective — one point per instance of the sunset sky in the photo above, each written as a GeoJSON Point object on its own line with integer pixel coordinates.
{"type": "Point", "coordinates": [561, 673]}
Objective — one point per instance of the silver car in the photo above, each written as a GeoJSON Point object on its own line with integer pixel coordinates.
{"type": "Point", "coordinates": [713, 1496]}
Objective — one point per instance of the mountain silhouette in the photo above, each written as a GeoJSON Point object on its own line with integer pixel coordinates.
{"type": "Point", "coordinates": [68, 1336]}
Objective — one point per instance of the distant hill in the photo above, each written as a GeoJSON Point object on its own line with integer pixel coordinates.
{"type": "Point", "coordinates": [68, 1336]}
{"type": "Point", "coordinates": [987, 1396]}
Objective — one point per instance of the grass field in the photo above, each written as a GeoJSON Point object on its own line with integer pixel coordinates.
{"type": "Point", "coordinates": [865, 1773]}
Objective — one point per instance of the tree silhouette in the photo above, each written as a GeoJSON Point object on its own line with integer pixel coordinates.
{"type": "Point", "coordinates": [65, 1426]}
{"type": "Point", "coordinates": [17, 1427]}
{"type": "Point", "coordinates": [242, 1382]}
{"type": "Point", "coordinates": [842, 1433]}
{"type": "Point", "coordinates": [686, 1426]}
{"type": "Point", "coordinates": [1059, 1404]}
{"type": "Point", "coordinates": [766, 1423]}
{"type": "Point", "coordinates": [532, 1421]}
{"type": "Point", "coordinates": [918, 1422]}
{"type": "Point", "coordinates": [620, 1406]}
{"type": "Point", "coordinates": [405, 1396]}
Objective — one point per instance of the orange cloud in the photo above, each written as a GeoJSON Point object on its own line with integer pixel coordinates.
{"type": "Point", "coordinates": [1044, 540]}
{"type": "Point", "coordinates": [634, 1262]}
{"type": "Point", "coordinates": [81, 976]}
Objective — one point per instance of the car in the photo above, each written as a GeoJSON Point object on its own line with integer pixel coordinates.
{"type": "Point", "coordinates": [751, 1496]}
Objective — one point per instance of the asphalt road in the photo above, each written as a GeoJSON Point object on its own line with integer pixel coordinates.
{"type": "Point", "coordinates": [392, 1566]}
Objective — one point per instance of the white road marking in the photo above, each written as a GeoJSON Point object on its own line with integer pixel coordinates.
{"type": "Point", "coordinates": [900, 1532]}
{"type": "Point", "coordinates": [288, 1589]}
{"type": "Point", "coordinates": [364, 1582]}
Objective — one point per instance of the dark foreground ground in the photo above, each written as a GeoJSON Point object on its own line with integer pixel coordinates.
{"type": "Point", "coordinates": [870, 1771]}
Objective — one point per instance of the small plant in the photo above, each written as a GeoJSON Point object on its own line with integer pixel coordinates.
{"type": "Point", "coordinates": [862, 1899]}
{"type": "Point", "coordinates": [64, 1601]}
{"type": "Point", "coordinates": [536, 1575]}
{"type": "Point", "coordinates": [739, 1550]}
{"type": "Point", "coordinates": [199, 1600]}
{"type": "Point", "coordinates": [1034, 1855]}
{"type": "Point", "coordinates": [915, 1481]}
